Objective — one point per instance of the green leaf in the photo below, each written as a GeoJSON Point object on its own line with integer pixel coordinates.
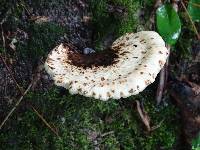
{"type": "Point", "coordinates": [194, 9]}
{"type": "Point", "coordinates": [196, 143]}
{"type": "Point", "coordinates": [168, 23]}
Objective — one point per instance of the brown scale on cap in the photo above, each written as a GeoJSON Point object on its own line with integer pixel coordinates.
{"type": "Point", "coordinates": [113, 91]}
{"type": "Point", "coordinates": [103, 58]}
{"type": "Point", "coordinates": [93, 94]}
{"type": "Point", "coordinates": [52, 68]}
{"type": "Point", "coordinates": [136, 37]}
{"type": "Point", "coordinates": [143, 52]}
{"type": "Point", "coordinates": [59, 81]}
{"type": "Point", "coordinates": [118, 46]}
{"type": "Point", "coordinates": [108, 94]}
{"type": "Point", "coordinates": [131, 91]}
{"type": "Point", "coordinates": [161, 63]}
{"type": "Point", "coordinates": [147, 82]}
{"type": "Point", "coordinates": [49, 60]}
{"type": "Point", "coordinates": [121, 94]}
{"type": "Point", "coordinates": [79, 90]}
{"type": "Point", "coordinates": [102, 78]}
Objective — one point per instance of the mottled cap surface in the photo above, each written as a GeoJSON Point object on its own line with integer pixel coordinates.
{"type": "Point", "coordinates": [127, 68]}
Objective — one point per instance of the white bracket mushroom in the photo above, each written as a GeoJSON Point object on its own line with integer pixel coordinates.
{"type": "Point", "coordinates": [127, 68]}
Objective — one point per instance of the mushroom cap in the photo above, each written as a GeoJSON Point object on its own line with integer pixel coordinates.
{"type": "Point", "coordinates": [127, 68]}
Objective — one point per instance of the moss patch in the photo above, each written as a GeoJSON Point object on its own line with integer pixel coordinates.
{"type": "Point", "coordinates": [78, 119]}
{"type": "Point", "coordinates": [42, 38]}
{"type": "Point", "coordinates": [116, 23]}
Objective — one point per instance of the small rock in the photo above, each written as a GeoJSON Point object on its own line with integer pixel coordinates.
{"type": "Point", "coordinates": [88, 50]}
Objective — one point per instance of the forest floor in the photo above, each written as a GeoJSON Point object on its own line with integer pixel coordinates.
{"type": "Point", "coordinates": [48, 117]}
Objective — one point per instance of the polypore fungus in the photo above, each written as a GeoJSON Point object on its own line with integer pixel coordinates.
{"type": "Point", "coordinates": [127, 68]}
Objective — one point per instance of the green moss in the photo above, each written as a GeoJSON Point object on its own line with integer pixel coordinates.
{"type": "Point", "coordinates": [76, 116]}
{"type": "Point", "coordinates": [106, 23]}
{"type": "Point", "coordinates": [42, 38]}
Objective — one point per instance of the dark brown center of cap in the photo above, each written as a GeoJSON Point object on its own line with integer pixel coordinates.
{"type": "Point", "coordinates": [102, 58]}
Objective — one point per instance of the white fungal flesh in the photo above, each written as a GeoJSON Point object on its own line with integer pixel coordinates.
{"type": "Point", "coordinates": [140, 58]}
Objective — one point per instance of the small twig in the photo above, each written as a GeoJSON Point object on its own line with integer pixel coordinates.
{"type": "Point", "coordinates": [45, 122]}
{"type": "Point", "coordinates": [144, 116]}
{"type": "Point", "coordinates": [2, 31]}
{"type": "Point", "coordinates": [193, 25]}
{"type": "Point", "coordinates": [194, 4]}
{"type": "Point", "coordinates": [3, 38]}
{"type": "Point", "coordinates": [166, 70]}
{"type": "Point", "coordinates": [163, 80]}
{"type": "Point", "coordinates": [107, 133]}
{"type": "Point", "coordinates": [157, 126]}
{"type": "Point", "coordinates": [23, 5]}
{"type": "Point", "coordinates": [161, 85]}
{"type": "Point", "coordinates": [6, 16]}
{"type": "Point", "coordinates": [4, 47]}
{"type": "Point", "coordinates": [4, 50]}
{"type": "Point", "coordinates": [56, 129]}
{"type": "Point", "coordinates": [152, 16]}
{"type": "Point", "coordinates": [11, 74]}
{"type": "Point", "coordinates": [13, 109]}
